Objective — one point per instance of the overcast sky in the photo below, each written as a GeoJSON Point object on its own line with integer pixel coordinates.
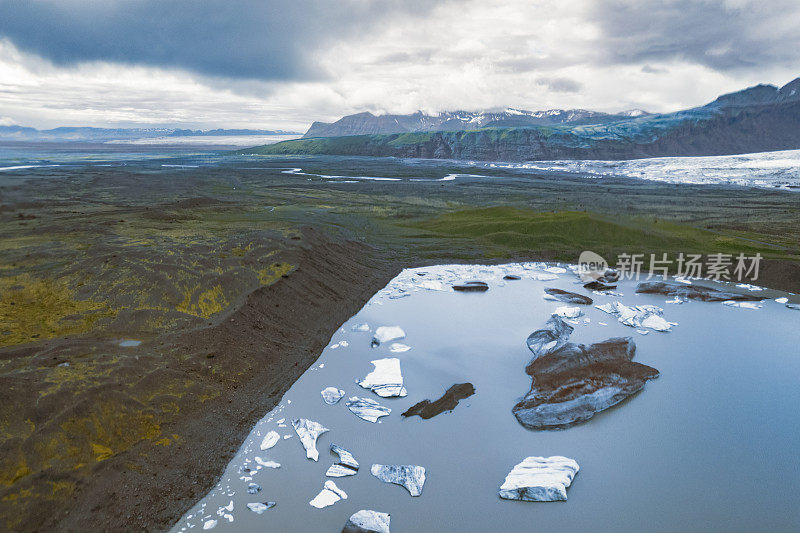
{"type": "Point", "coordinates": [283, 64]}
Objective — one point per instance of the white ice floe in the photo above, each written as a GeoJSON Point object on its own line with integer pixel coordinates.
{"type": "Point", "coordinates": [387, 333]}
{"type": "Point", "coordinates": [366, 521]}
{"type": "Point", "coordinates": [367, 408]}
{"type": "Point", "coordinates": [385, 380]}
{"type": "Point", "coordinates": [399, 347]}
{"type": "Point", "coordinates": [412, 477]}
{"type": "Point", "coordinates": [252, 488]}
{"type": "Point", "coordinates": [555, 270]}
{"type": "Point", "coordinates": [209, 524]}
{"type": "Point", "coordinates": [329, 495]}
{"type": "Point", "coordinates": [539, 479]}
{"type": "Point", "coordinates": [743, 305]}
{"type": "Point", "coordinates": [346, 466]}
{"type": "Point", "coordinates": [543, 277]}
{"type": "Point", "coordinates": [259, 507]}
{"type": "Point", "coordinates": [331, 395]}
{"type": "Point", "coordinates": [782, 300]}
{"type": "Point", "coordinates": [308, 431]}
{"type": "Point", "coordinates": [270, 440]}
{"type": "Point", "coordinates": [566, 311]}
{"type": "Point", "coordinates": [639, 316]}
{"type": "Point", "coordinates": [267, 464]}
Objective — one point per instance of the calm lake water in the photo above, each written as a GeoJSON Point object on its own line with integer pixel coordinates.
{"type": "Point", "coordinates": [711, 445]}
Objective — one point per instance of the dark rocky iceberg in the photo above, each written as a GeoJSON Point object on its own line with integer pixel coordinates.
{"type": "Point", "coordinates": [571, 382]}
{"type": "Point", "coordinates": [569, 297]}
{"type": "Point", "coordinates": [695, 292]}
{"type": "Point", "coordinates": [471, 286]}
{"type": "Point", "coordinates": [428, 409]}
{"type": "Point", "coordinates": [599, 286]}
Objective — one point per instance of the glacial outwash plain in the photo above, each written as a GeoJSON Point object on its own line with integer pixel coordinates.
{"type": "Point", "coordinates": [153, 309]}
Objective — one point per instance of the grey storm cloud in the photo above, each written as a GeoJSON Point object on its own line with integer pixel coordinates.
{"type": "Point", "coordinates": [724, 35]}
{"type": "Point", "coordinates": [257, 39]}
{"type": "Point", "coordinates": [560, 85]}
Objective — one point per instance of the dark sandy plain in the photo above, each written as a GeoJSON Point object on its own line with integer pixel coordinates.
{"type": "Point", "coordinates": [233, 275]}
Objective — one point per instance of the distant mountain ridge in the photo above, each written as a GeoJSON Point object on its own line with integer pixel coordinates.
{"type": "Point", "coordinates": [89, 134]}
{"type": "Point", "coordinates": [758, 119]}
{"type": "Point", "coordinates": [368, 124]}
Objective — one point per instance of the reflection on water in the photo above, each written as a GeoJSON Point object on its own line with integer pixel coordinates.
{"type": "Point", "coordinates": [708, 445]}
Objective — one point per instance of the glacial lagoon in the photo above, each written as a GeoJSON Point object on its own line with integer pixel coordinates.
{"type": "Point", "coordinates": [711, 444]}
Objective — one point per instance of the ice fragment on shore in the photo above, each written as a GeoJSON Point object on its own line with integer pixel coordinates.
{"type": "Point", "coordinates": [259, 507]}
{"type": "Point", "coordinates": [270, 440]}
{"type": "Point", "coordinates": [332, 395]}
{"type": "Point", "coordinates": [412, 477]}
{"type": "Point", "coordinates": [539, 479]}
{"type": "Point", "coordinates": [366, 521]}
{"type": "Point", "coordinates": [309, 431]}
{"type": "Point", "coordinates": [386, 334]}
{"type": "Point", "coordinates": [329, 495]}
{"type": "Point", "coordinates": [367, 408]}
{"type": "Point", "coordinates": [386, 379]}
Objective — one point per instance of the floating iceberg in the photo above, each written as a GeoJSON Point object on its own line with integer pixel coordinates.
{"type": "Point", "coordinates": [387, 333]}
{"type": "Point", "coordinates": [270, 439]}
{"type": "Point", "coordinates": [742, 305]}
{"type": "Point", "coordinates": [366, 521]}
{"type": "Point", "coordinates": [571, 382]}
{"type": "Point", "coordinates": [693, 292]}
{"type": "Point", "coordinates": [385, 380]}
{"type": "Point", "coordinates": [209, 524]}
{"type": "Point", "coordinates": [367, 408]}
{"type": "Point", "coordinates": [539, 479]}
{"type": "Point", "coordinates": [399, 347]}
{"type": "Point", "coordinates": [639, 316]}
{"type": "Point", "coordinates": [346, 466]}
{"type": "Point", "coordinates": [259, 507]}
{"type": "Point", "coordinates": [360, 327]}
{"type": "Point", "coordinates": [252, 488]}
{"type": "Point", "coordinates": [267, 464]}
{"type": "Point", "coordinates": [568, 312]}
{"type": "Point", "coordinates": [308, 431]}
{"type": "Point", "coordinates": [411, 477]}
{"type": "Point", "coordinates": [329, 495]}
{"type": "Point", "coordinates": [568, 297]}
{"type": "Point", "coordinates": [332, 395]}
{"type": "Point", "coordinates": [471, 286]}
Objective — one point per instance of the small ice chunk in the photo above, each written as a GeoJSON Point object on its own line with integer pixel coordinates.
{"type": "Point", "coordinates": [267, 464]}
{"type": "Point", "coordinates": [555, 270]}
{"type": "Point", "coordinates": [270, 440]}
{"type": "Point", "coordinates": [399, 347]}
{"type": "Point", "coordinates": [367, 408]}
{"type": "Point", "coordinates": [366, 521]}
{"type": "Point", "coordinates": [332, 395]}
{"type": "Point", "coordinates": [742, 305]}
{"type": "Point", "coordinates": [259, 507]}
{"type": "Point", "coordinates": [750, 287]}
{"type": "Point", "coordinates": [329, 495]}
{"type": "Point", "coordinates": [252, 488]}
{"type": "Point", "coordinates": [639, 316]}
{"type": "Point", "coordinates": [209, 524]}
{"type": "Point", "coordinates": [412, 477]}
{"type": "Point", "coordinates": [543, 277]}
{"type": "Point", "coordinates": [566, 311]}
{"type": "Point", "coordinates": [346, 466]}
{"type": "Point", "coordinates": [309, 431]}
{"type": "Point", "coordinates": [360, 327]}
{"type": "Point", "coordinates": [782, 300]}
{"type": "Point", "coordinates": [387, 333]}
{"type": "Point", "coordinates": [642, 331]}
{"type": "Point", "coordinates": [539, 479]}
{"type": "Point", "coordinates": [386, 379]}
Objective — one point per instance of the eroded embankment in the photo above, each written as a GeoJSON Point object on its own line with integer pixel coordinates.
{"type": "Point", "coordinates": [135, 452]}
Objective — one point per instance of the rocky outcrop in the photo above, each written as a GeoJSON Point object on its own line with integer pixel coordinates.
{"type": "Point", "coordinates": [568, 297]}
{"type": "Point", "coordinates": [571, 382]}
{"type": "Point", "coordinates": [427, 409]}
{"type": "Point", "coordinates": [471, 286]}
{"type": "Point", "coordinates": [693, 292]}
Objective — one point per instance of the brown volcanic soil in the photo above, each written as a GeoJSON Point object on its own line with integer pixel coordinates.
{"type": "Point", "coordinates": [242, 362]}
